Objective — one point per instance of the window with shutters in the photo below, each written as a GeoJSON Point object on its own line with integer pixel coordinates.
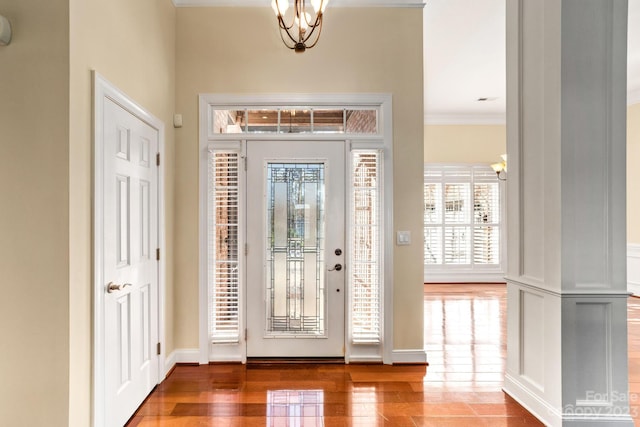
{"type": "Point", "coordinates": [223, 272]}
{"type": "Point", "coordinates": [462, 218]}
{"type": "Point", "coordinates": [365, 252]}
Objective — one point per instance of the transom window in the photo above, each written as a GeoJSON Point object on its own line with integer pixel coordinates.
{"type": "Point", "coordinates": [324, 120]}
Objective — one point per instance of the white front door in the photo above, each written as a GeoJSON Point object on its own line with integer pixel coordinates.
{"type": "Point", "coordinates": [130, 239]}
{"type": "Point", "coordinates": [296, 243]}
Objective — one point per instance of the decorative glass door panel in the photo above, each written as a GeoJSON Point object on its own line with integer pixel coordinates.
{"type": "Point", "coordinates": [295, 226]}
{"type": "Point", "coordinates": [295, 246]}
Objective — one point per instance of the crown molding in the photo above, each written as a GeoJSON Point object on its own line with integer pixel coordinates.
{"type": "Point", "coordinates": [465, 119]}
{"type": "Point", "coordinates": [334, 3]}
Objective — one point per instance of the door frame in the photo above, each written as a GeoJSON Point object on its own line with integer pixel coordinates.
{"type": "Point", "coordinates": [103, 90]}
{"type": "Point", "coordinates": [260, 251]}
{"type": "Point", "coordinates": [382, 141]}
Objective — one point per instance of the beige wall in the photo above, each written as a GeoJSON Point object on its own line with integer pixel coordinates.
{"type": "Point", "coordinates": [131, 44]}
{"type": "Point", "coordinates": [464, 143]}
{"type": "Point", "coordinates": [633, 174]}
{"type": "Point", "coordinates": [485, 143]}
{"type": "Point", "coordinates": [226, 50]}
{"type": "Point", "coordinates": [34, 215]}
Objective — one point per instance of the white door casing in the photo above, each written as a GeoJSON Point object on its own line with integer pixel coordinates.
{"type": "Point", "coordinates": [216, 139]}
{"type": "Point", "coordinates": [127, 364]}
{"type": "Point", "coordinates": [295, 294]}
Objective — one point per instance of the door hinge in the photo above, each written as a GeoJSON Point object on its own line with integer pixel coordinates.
{"type": "Point", "coordinates": [158, 254]}
{"type": "Point", "coordinates": [245, 334]}
{"type": "Point", "coordinates": [158, 348]}
{"type": "Point", "coordinates": [246, 249]}
{"type": "Point", "coordinates": [157, 159]}
{"type": "Point", "coordinates": [245, 163]}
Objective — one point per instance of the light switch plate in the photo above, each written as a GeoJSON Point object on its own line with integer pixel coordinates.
{"type": "Point", "coordinates": [403, 238]}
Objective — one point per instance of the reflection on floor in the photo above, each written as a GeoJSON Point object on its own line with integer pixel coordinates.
{"type": "Point", "coordinates": [465, 335]}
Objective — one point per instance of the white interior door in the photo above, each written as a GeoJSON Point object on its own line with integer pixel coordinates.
{"type": "Point", "coordinates": [295, 260]}
{"type": "Point", "coordinates": [129, 261]}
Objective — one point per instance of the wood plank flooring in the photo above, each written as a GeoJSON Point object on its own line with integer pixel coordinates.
{"type": "Point", "coordinates": [465, 334]}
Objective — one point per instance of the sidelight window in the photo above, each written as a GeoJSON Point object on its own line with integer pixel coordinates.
{"type": "Point", "coordinates": [365, 260]}
{"type": "Point", "coordinates": [223, 245]}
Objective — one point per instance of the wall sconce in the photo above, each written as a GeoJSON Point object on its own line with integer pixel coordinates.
{"type": "Point", "coordinates": [501, 168]}
{"type": "Point", "coordinates": [5, 31]}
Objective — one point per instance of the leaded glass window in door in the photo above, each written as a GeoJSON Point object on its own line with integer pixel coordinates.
{"type": "Point", "coordinates": [294, 279]}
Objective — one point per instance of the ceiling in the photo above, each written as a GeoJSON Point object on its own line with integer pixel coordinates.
{"type": "Point", "coordinates": [464, 60]}
{"type": "Point", "coordinates": [464, 55]}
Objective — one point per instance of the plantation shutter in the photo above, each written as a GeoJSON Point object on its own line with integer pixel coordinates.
{"type": "Point", "coordinates": [461, 216]}
{"type": "Point", "coordinates": [223, 246]}
{"type": "Point", "coordinates": [486, 215]}
{"type": "Point", "coordinates": [365, 273]}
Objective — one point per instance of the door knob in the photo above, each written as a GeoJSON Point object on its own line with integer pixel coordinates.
{"type": "Point", "coordinates": [112, 287]}
{"type": "Point", "coordinates": [336, 267]}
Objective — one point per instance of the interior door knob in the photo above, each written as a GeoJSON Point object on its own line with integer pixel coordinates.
{"type": "Point", "coordinates": [336, 267]}
{"type": "Point", "coordinates": [112, 287]}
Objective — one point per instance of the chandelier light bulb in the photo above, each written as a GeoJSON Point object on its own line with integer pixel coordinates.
{"type": "Point", "coordinates": [304, 23]}
{"type": "Point", "coordinates": [280, 6]}
{"type": "Point", "coordinates": [299, 30]}
{"type": "Point", "coordinates": [319, 5]}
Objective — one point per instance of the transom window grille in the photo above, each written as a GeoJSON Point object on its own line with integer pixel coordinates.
{"type": "Point", "coordinates": [223, 246]}
{"type": "Point", "coordinates": [462, 218]}
{"type": "Point", "coordinates": [365, 254]}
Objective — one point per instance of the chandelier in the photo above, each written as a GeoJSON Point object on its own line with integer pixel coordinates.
{"type": "Point", "coordinates": [303, 30]}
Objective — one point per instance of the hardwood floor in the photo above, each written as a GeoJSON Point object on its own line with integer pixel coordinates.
{"type": "Point", "coordinates": [465, 334]}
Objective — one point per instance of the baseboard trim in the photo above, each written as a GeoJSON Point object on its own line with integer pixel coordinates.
{"type": "Point", "coordinates": [550, 416]}
{"type": "Point", "coordinates": [227, 358]}
{"type": "Point", "coordinates": [463, 277]}
{"type": "Point", "coordinates": [169, 363]}
{"type": "Point", "coordinates": [180, 356]}
{"type": "Point", "coordinates": [364, 359]}
{"type": "Point", "coordinates": [531, 402]}
{"type": "Point", "coordinates": [409, 357]}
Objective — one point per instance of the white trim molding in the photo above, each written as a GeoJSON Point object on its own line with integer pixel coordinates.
{"type": "Point", "coordinates": [180, 355]}
{"type": "Point", "coordinates": [463, 277]}
{"type": "Point", "coordinates": [382, 140]}
{"type": "Point", "coordinates": [633, 268]}
{"type": "Point", "coordinates": [334, 3]}
{"type": "Point", "coordinates": [186, 355]}
{"type": "Point", "coordinates": [521, 393]}
{"type": "Point", "coordinates": [412, 356]}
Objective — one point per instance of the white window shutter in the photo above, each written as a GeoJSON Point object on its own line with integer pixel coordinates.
{"type": "Point", "coordinates": [223, 246]}
{"type": "Point", "coordinates": [365, 272]}
{"type": "Point", "coordinates": [462, 222]}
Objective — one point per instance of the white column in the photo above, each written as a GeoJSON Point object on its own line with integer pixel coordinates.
{"type": "Point", "coordinates": [566, 275]}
